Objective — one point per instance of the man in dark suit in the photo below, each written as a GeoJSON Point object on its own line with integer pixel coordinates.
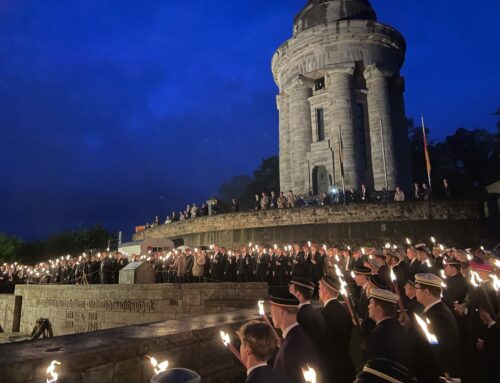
{"type": "Point", "coordinates": [300, 267]}
{"type": "Point", "coordinates": [308, 318]}
{"type": "Point", "coordinates": [456, 285]}
{"type": "Point", "coordinates": [258, 344]}
{"type": "Point", "coordinates": [442, 324]}
{"type": "Point", "coordinates": [297, 350]}
{"type": "Point", "coordinates": [337, 335]}
{"type": "Point", "coordinates": [413, 262]}
{"type": "Point", "coordinates": [388, 339]}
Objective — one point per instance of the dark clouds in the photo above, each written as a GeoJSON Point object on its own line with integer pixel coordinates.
{"type": "Point", "coordinates": [112, 112]}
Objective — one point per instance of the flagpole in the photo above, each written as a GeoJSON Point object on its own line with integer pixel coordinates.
{"type": "Point", "coordinates": [383, 154]}
{"type": "Point", "coordinates": [427, 159]}
{"type": "Point", "coordinates": [341, 163]}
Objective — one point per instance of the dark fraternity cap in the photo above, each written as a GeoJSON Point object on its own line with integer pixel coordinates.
{"type": "Point", "coordinates": [379, 282]}
{"type": "Point", "coordinates": [302, 282]}
{"type": "Point", "coordinates": [284, 299]}
{"type": "Point", "coordinates": [423, 247]}
{"type": "Point", "coordinates": [385, 370]}
{"type": "Point", "coordinates": [360, 269]}
{"type": "Point", "coordinates": [331, 282]}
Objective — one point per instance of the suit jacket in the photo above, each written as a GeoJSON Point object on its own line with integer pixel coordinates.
{"type": "Point", "coordinates": [445, 327]}
{"type": "Point", "coordinates": [312, 323]}
{"type": "Point", "coordinates": [266, 374]}
{"type": "Point", "coordinates": [414, 267]}
{"type": "Point", "coordinates": [392, 341]}
{"type": "Point", "coordinates": [297, 352]}
{"type": "Point", "coordinates": [337, 336]}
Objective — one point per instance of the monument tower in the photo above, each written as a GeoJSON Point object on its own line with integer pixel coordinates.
{"type": "Point", "coordinates": [342, 118]}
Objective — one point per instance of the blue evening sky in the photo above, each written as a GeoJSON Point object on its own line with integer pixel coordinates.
{"type": "Point", "coordinates": [114, 111]}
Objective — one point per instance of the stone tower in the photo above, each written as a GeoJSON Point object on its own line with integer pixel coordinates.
{"type": "Point", "coordinates": [341, 95]}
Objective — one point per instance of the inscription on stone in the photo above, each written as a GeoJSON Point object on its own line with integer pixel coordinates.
{"type": "Point", "coordinates": [138, 306]}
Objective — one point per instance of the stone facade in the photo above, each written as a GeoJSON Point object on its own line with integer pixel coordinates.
{"type": "Point", "coordinates": [458, 222]}
{"type": "Point", "coordinates": [341, 96]}
{"type": "Point", "coordinates": [119, 355]}
{"type": "Point", "coordinates": [82, 308]}
{"type": "Point", "coordinates": [10, 312]}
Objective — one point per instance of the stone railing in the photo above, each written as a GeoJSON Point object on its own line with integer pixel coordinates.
{"type": "Point", "coordinates": [281, 226]}
{"type": "Point", "coordinates": [81, 308]}
{"type": "Point", "coordinates": [119, 355]}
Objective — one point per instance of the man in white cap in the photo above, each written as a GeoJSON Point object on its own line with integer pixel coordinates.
{"type": "Point", "coordinates": [442, 324]}
{"type": "Point", "coordinates": [389, 339]}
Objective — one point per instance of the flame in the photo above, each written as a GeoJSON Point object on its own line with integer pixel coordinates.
{"type": "Point", "coordinates": [496, 282]}
{"type": "Point", "coordinates": [275, 246]}
{"type": "Point", "coordinates": [473, 279]}
{"type": "Point", "coordinates": [431, 338]}
{"type": "Point", "coordinates": [441, 247]}
{"type": "Point", "coordinates": [309, 375]}
{"type": "Point", "coordinates": [428, 263]}
{"type": "Point", "coordinates": [363, 251]}
{"type": "Point", "coordinates": [349, 248]}
{"type": "Point", "coordinates": [443, 275]}
{"type": "Point", "coordinates": [159, 367]}
{"type": "Point", "coordinates": [343, 283]}
{"type": "Point", "coordinates": [353, 276]}
{"type": "Point", "coordinates": [408, 241]}
{"type": "Point", "coordinates": [393, 276]}
{"type": "Point", "coordinates": [225, 338]}
{"type": "Point", "coordinates": [433, 240]}
{"type": "Point", "coordinates": [52, 376]}
{"type": "Point", "coordinates": [387, 245]}
{"type": "Point", "coordinates": [324, 248]}
{"type": "Point", "coordinates": [309, 243]}
{"type": "Point", "coordinates": [261, 308]}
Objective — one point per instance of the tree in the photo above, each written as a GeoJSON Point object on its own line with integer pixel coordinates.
{"type": "Point", "coordinates": [265, 178]}
{"type": "Point", "coordinates": [9, 248]}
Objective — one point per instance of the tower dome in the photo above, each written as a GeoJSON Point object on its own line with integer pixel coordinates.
{"type": "Point", "coordinates": [318, 12]}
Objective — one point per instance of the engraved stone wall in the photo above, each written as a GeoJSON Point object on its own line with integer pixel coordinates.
{"type": "Point", "coordinates": [75, 309]}
{"type": "Point", "coordinates": [10, 310]}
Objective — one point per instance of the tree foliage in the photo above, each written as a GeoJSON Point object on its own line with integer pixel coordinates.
{"type": "Point", "coordinates": [67, 242]}
{"type": "Point", "coordinates": [9, 248]}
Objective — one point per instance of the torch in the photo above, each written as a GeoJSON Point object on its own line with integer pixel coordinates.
{"type": "Point", "coordinates": [432, 339]}
{"type": "Point", "coordinates": [396, 289]}
{"type": "Point", "coordinates": [262, 313]}
{"type": "Point", "coordinates": [158, 367]}
{"type": "Point", "coordinates": [344, 293]}
{"type": "Point", "coordinates": [309, 375]}
{"type": "Point", "coordinates": [52, 375]}
{"type": "Point", "coordinates": [226, 340]}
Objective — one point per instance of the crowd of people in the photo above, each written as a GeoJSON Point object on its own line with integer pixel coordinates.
{"type": "Point", "coordinates": [419, 312]}
{"type": "Point", "coordinates": [273, 200]}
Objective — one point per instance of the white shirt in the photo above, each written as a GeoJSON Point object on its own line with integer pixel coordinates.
{"type": "Point", "coordinates": [303, 304]}
{"type": "Point", "coordinates": [329, 300]}
{"type": "Point", "coordinates": [249, 371]}
{"type": "Point", "coordinates": [432, 305]}
{"type": "Point", "coordinates": [287, 330]}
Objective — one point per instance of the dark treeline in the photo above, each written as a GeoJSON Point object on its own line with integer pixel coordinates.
{"type": "Point", "coordinates": [12, 249]}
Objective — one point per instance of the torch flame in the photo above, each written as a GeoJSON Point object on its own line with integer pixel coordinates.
{"type": "Point", "coordinates": [443, 275]}
{"type": "Point", "coordinates": [497, 263]}
{"type": "Point", "coordinates": [475, 279]}
{"type": "Point", "coordinates": [225, 338]}
{"type": "Point", "coordinates": [408, 241]}
{"type": "Point", "coordinates": [324, 247]}
{"type": "Point", "coordinates": [343, 283]}
{"type": "Point", "coordinates": [387, 245]}
{"type": "Point", "coordinates": [52, 376]}
{"type": "Point", "coordinates": [433, 240]}
{"type": "Point", "coordinates": [353, 276]}
{"type": "Point", "coordinates": [431, 338]}
{"type": "Point", "coordinates": [363, 251]}
{"type": "Point", "coordinates": [309, 375]}
{"type": "Point", "coordinates": [261, 308]}
{"type": "Point", "coordinates": [496, 282]}
{"type": "Point", "coordinates": [393, 276]}
{"type": "Point", "coordinates": [159, 367]}
{"type": "Point", "coordinates": [309, 243]}
{"type": "Point", "coordinates": [441, 247]}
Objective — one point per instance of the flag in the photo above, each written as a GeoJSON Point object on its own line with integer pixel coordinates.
{"type": "Point", "coordinates": [341, 155]}
{"type": "Point", "coordinates": [426, 152]}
